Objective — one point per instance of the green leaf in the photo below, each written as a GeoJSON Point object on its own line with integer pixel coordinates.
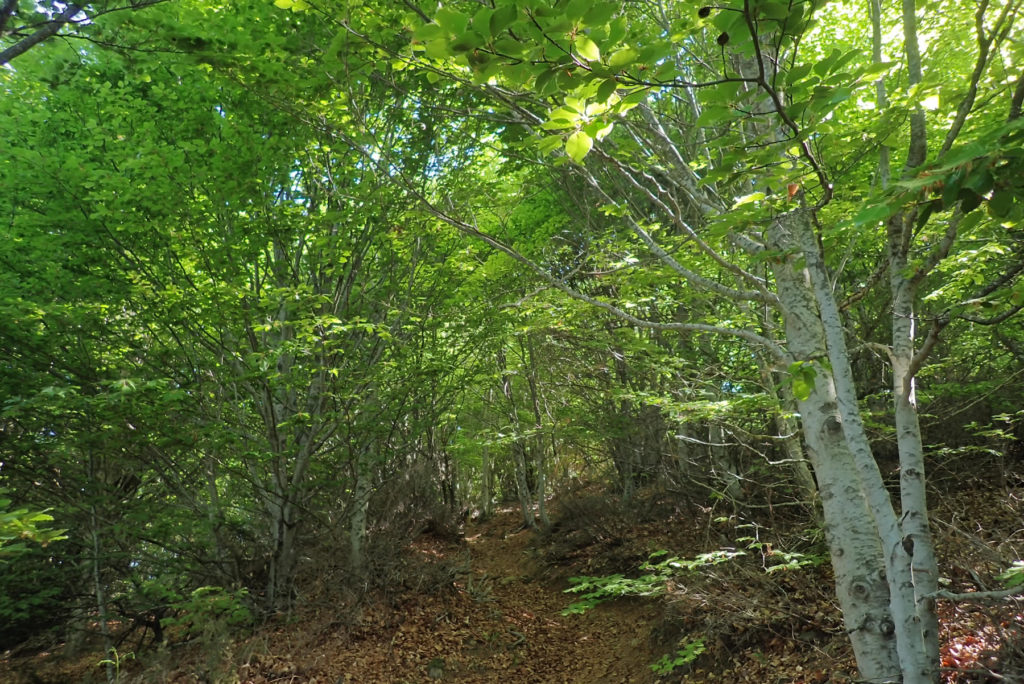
{"type": "Point", "coordinates": [714, 115]}
{"type": "Point", "coordinates": [969, 200]}
{"type": "Point", "coordinates": [598, 129]}
{"type": "Point", "coordinates": [578, 145]}
{"type": "Point", "coordinates": [877, 69]}
{"type": "Point", "coordinates": [467, 41]}
{"type": "Point", "coordinates": [438, 49]}
{"type": "Point", "coordinates": [632, 100]}
{"type": "Point", "coordinates": [606, 89]}
{"type": "Point", "coordinates": [502, 18]}
{"type": "Point", "coordinates": [802, 375]}
{"type": "Point", "coordinates": [576, 9]}
{"type": "Point", "coordinates": [775, 10]}
{"type": "Point", "coordinates": [482, 20]}
{"type": "Point", "coordinates": [873, 214]}
{"type": "Point", "coordinates": [549, 143]}
{"type": "Point", "coordinates": [825, 65]}
{"type": "Point", "coordinates": [1001, 203]}
{"type": "Point", "coordinates": [587, 48]}
{"type": "Point", "coordinates": [797, 73]}
{"type": "Point", "coordinates": [451, 21]}
{"type": "Point", "coordinates": [424, 33]}
{"type": "Point", "coordinates": [600, 13]}
{"type": "Point", "coordinates": [747, 199]}
{"type": "Point", "coordinates": [623, 57]}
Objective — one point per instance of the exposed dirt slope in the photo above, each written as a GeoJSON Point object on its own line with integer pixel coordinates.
{"type": "Point", "coordinates": [495, 613]}
{"type": "Point", "coordinates": [502, 624]}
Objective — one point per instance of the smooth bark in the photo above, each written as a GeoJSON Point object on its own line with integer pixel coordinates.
{"type": "Point", "coordinates": [850, 529]}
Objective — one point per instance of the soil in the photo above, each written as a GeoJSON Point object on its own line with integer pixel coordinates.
{"type": "Point", "coordinates": [497, 614]}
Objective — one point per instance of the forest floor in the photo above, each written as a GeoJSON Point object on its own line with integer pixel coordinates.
{"type": "Point", "coordinates": [497, 616]}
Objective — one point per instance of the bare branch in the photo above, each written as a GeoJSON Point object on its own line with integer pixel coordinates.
{"type": "Point", "coordinates": [979, 596]}
{"type": "Point", "coordinates": [926, 347]}
{"type": "Point", "coordinates": [46, 30]}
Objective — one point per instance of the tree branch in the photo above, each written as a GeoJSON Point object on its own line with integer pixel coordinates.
{"type": "Point", "coordinates": [980, 596]}
{"type": "Point", "coordinates": [926, 347]}
{"type": "Point", "coordinates": [45, 31]}
{"type": "Point", "coordinates": [5, 13]}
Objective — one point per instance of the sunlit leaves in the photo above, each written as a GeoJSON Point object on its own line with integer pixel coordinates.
{"type": "Point", "coordinates": [293, 5]}
{"type": "Point", "coordinates": [801, 376]}
{"type": "Point", "coordinates": [578, 145]}
{"type": "Point", "coordinates": [587, 48]}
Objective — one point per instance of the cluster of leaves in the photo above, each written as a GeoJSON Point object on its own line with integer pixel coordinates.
{"type": "Point", "coordinates": [683, 656]}
{"type": "Point", "coordinates": [596, 590]}
{"type": "Point", "coordinates": [657, 575]}
{"type": "Point", "coordinates": [20, 526]}
{"type": "Point", "coordinates": [209, 605]}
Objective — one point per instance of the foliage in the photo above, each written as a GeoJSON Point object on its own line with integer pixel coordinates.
{"type": "Point", "coordinates": [1013, 576]}
{"type": "Point", "coordinates": [115, 660]}
{"type": "Point", "coordinates": [596, 590]}
{"type": "Point", "coordinates": [238, 311]}
{"type": "Point", "coordinates": [36, 593]}
{"type": "Point", "coordinates": [684, 656]}
{"type": "Point", "coordinates": [210, 609]}
{"type": "Point", "coordinates": [21, 525]}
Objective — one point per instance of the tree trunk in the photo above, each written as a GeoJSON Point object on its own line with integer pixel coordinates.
{"type": "Point", "coordinates": [915, 664]}
{"type": "Point", "coordinates": [360, 511]}
{"type": "Point", "coordinates": [101, 599]}
{"type": "Point", "coordinates": [283, 557]}
{"type": "Point", "coordinates": [723, 467]}
{"type": "Point", "coordinates": [486, 486]}
{"type": "Point", "coordinates": [518, 448]}
{"type": "Point", "coordinates": [913, 499]}
{"type": "Point", "coordinates": [851, 530]}
{"type": "Point", "coordinates": [538, 437]}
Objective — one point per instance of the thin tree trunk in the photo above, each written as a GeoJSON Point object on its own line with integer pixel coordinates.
{"type": "Point", "coordinates": [723, 467]}
{"type": "Point", "coordinates": [538, 437]}
{"type": "Point", "coordinates": [518, 449]}
{"type": "Point", "coordinates": [917, 538]}
{"type": "Point", "coordinates": [486, 486]}
{"type": "Point", "coordinates": [788, 430]}
{"type": "Point", "coordinates": [101, 598]}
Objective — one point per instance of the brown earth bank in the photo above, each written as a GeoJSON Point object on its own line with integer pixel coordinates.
{"type": "Point", "coordinates": [487, 606]}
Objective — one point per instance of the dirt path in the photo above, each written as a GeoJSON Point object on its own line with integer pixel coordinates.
{"type": "Point", "coordinates": [502, 624]}
{"type": "Point", "coordinates": [497, 619]}
{"type": "Point", "coordinates": [607, 644]}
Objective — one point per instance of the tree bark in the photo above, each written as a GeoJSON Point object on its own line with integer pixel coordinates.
{"type": "Point", "coordinates": [913, 498]}
{"type": "Point", "coordinates": [518, 448]}
{"type": "Point", "coordinates": [850, 528]}
{"type": "Point", "coordinates": [915, 666]}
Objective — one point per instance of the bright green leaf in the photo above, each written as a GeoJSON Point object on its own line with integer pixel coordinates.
{"type": "Point", "coordinates": [587, 48]}
{"type": "Point", "coordinates": [578, 145]}
{"type": "Point", "coordinates": [623, 57]}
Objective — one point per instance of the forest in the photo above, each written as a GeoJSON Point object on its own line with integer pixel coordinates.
{"type": "Point", "coordinates": [511, 341]}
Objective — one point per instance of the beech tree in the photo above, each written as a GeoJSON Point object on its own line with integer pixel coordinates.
{"type": "Point", "coordinates": [733, 142]}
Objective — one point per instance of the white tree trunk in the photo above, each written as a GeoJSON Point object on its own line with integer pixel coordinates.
{"type": "Point", "coordinates": [850, 528]}
{"type": "Point", "coordinates": [915, 664]}
{"type": "Point", "coordinates": [913, 499]}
